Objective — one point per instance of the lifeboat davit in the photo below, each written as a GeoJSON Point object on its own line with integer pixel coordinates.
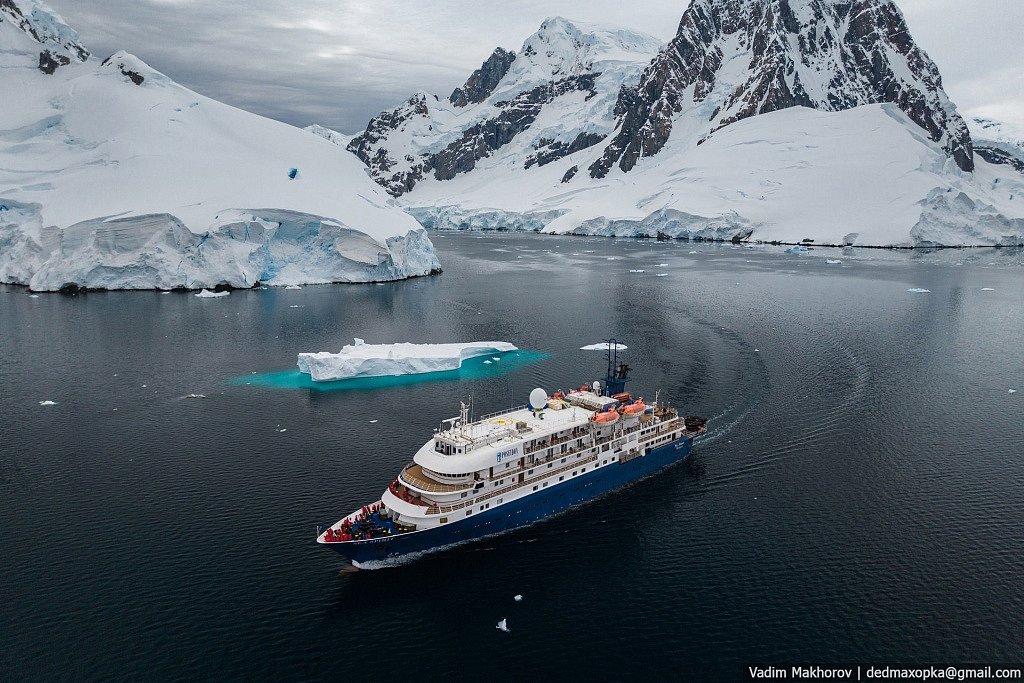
{"type": "Point", "coordinates": [635, 408]}
{"type": "Point", "coordinates": [606, 418]}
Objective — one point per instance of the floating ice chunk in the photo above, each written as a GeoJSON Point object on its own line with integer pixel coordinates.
{"type": "Point", "coordinates": [603, 346]}
{"type": "Point", "coordinates": [660, 274]}
{"type": "Point", "coordinates": [487, 362]}
{"type": "Point", "coordinates": [1013, 391]}
{"type": "Point", "coordinates": [502, 625]}
{"type": "Point", "coordinates": [53, 403]}
{"type": "Point", "coordinates": [919, 290]}
{"type": "Point", "coordinates": [375, 360]}
{"type": "Point", "coordinates": [833, 261]}
{"type": "Point", "coordinates": [609, 258]}
{"type": "Point", "coordinates": [757, 349]}
{"type": "Point", "coordinates": [293, 287]}
{"type": "Point", "coordinates": [693, 252]}
{"type": "Point", "coordinates": [165, 292]}
{"type": "Point", "coordinates": [373, 422]}
{"type": "Point", "coordinates": [662, 265]}
{"type": "Point", "coordinates": [636, 270]}
{"type": "Point", "coordinates": [296, 306]}
{"type": "Point", "coordinates": [207, 294]}
{"type": "Point", "coordinates": [797, 250]}
{"type": "Point", "coordinates": [987, 289]}
{"type": "Point", "coordinates": [196, 396]}
{"type": "Point", "coordinates": [33, 296]}
{"type": "Point", "coordinates": [518, 598]}
{"type": "Point", "coordinates": [495, 358]}
{"type": "Point", "coordinates": [282, 430]}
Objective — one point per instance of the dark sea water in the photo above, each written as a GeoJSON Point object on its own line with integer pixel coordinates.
{"type": "Point", "coordinates": [860, 497]}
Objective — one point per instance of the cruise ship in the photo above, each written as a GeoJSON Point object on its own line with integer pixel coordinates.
{"type": "Point", "coordinates": [482, 477]}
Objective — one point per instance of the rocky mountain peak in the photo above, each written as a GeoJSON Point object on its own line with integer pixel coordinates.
{"type": "Point", "coordinates": [61, 44]}
{"type": "Point", "coordinates": [482, 82]}
{"type": "Point", "coordinates": [571, 70]}
{"type": "Point", "coordinates": [732, 59]}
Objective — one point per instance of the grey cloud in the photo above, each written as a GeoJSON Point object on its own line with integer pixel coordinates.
{"type": "Point", "coordinates": [340, 62]}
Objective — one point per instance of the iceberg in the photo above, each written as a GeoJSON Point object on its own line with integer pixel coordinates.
{"type": "Point", "coordinates": [374, 360]}
{"type": "Point", "coordinates": [207, 294]}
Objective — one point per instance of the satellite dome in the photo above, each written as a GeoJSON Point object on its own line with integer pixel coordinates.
{"type": "Point", "coordinates": [538, 399]}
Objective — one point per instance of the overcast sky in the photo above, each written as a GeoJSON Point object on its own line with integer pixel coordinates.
{"type": "Point", "coordinates": [339, 62]}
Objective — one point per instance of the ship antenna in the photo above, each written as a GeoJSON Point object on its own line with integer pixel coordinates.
{"type": "Point", "coordinates": [464, 413]}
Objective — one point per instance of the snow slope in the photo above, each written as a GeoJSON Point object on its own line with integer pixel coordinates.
{"type": "Point", "coordinates": [113, 176]}
{"type": "Point", "coordinates": [865, 176]}
{"type": "Point", "coordinates": [373, 360]}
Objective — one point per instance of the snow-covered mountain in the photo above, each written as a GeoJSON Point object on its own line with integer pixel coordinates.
{"type": "Point", "coordinates": [553, 98]}
{"type": "Point", "coordinates": [762, 119]}
{"type": "Point", "coordinates": [114, 176]}
{"type": "Point", "coordinates": [732, 59]}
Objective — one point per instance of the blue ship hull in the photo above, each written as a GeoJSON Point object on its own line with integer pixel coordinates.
{"type": "Point", "coordinates": [516, 513]}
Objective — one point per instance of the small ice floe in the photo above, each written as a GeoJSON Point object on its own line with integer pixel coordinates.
{"type": "Point", "coordinates": [637, 270]}
{"type": "Point", "coordinates": [588, 251]}
{"type": "Point", "coordinates": [660, 274]}
{"type": "Point", "coordinates": [285, 429]}
{"type": "Point", "coordinates": [502, 625]}
{"type": "Point", "coordinates": [53, 403]}
{"type": "Point", "coordinates": [518, 598]}
{"type": "Point", "coordinates": [987, 289]}
{"type": "Point", "coordinates": [296, 306]}
{"type": "Point", "coordinates": [919, 290]}
{"type": "Point", "coordinates": [373, 422]}
{"type": "Point", "coordinates": [1012, 391]}
{"type": "Point", "coordinates": [487, 362]}
{"type": "Point", "coordinates": [33, 296]}
{"type": "Point", "coordinates": [165, 292]}
{"type": "Point", "coordinates": [207, 294]}
{"type": "Point", "coordinates": [603, 346]}
{"type": "Point", "coordinates": [196, 396]}
{"type": "Point", "coordinates": [293, 287]}
{"type": "Point", "coordinates": [144, 386]}
{"type": "Point", "coordinates": [693, 252]}
{"type": "Point", "coordinates": [797, 249]}
{"type": "Point", "coordinates": [495, 358]}
{"type": "Point", "coordinates": [833, 261]}
{"type": "Point", "coordinates": [609, 258]}
{"type": "Point", "coordinates": [757, 350]}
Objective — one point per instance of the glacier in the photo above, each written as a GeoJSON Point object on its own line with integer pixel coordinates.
{"type": "Point", "coordinates": [113, 176]}
{"type": "Point", "coordinates": [360, 359]}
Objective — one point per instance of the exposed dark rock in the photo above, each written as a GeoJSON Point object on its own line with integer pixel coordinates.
{"type": "Point", "coordinates": [857, 63]}
{"type": "Point", "coordinates": [134, 76]}
{"type": "Point", "coordinates": [994, 155]}
{"type": "Point", "coordinates": [517, 115]}
{"type": "Point", "coordinates": [552, 150]}
{"type": "Point", "coordinates": [484, 80]}
{"type": "Point", "coordinates": [570, 173]}
{"type": "Point", "coordinates": [50, 62]}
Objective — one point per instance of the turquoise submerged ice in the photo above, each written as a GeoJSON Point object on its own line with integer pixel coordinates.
{"type": "Point", "coordinates": [375, 360]}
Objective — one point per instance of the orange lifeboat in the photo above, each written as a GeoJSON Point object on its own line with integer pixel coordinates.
{"type": "Point", "coordinates": [606, 418]}
{"type": "Point", "coordinates": [635, 408]}
{"type": "Point", "coordinates": [623, 397]}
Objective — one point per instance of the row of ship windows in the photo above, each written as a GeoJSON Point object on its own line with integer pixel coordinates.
{"type": "Point", "coordinates": [486, 506]}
